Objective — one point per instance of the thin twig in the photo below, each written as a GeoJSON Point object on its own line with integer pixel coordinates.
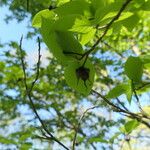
{"type": "Point", "coordinates": [118, 100]}
{"type": "Point", "coordinates": [78, 126]}
{"type": "Point", "coordinates": [27, 5]}
{"type": "Point", "coordinates": [141, 136]}
{"type": "Point", "coordinates": [138, 101]}
{"type": "Point", "coordinates": [72, 53]}
{"type": "Point", "coordinates": [29, 92]}
{"type": "Point", "coordinates": [108, 102]}
{"type": "Point", "coordinates": [41, 137]}
{"type": "Point", "coordinates": [107, 28]}
{"type": "Point", "coordinates": [143, 86]}
{"type": "Point", "coordinates": [37, 66]}
{"type": "Point", "coordinates": [126, 113]}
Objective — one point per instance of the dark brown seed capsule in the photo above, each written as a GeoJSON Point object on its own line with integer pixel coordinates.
{"type": "Point", "coordinates": [83, 74]}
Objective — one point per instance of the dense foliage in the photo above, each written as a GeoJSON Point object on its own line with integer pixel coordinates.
{"type": "Point", "coordinates": [94, 91]}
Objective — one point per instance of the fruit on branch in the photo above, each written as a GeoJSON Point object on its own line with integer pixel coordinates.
{"type": "Point", "coordinates": [83, 73]}
{"type": "Point", "coordinates": [80, 77]}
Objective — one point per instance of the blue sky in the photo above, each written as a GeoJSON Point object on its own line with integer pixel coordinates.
{"type": "Point", "coordinates": [13, 32]}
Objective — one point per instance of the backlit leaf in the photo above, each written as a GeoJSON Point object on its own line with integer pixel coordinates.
{"type": "Point", "coordinates": [119, 90]}
{"type": "Point", "coordinates": [37, 20]}
{"type": "Point", "coordinates": [134, 68]}
{"type": "Point", "coordinates": [60, 42]}
{"type": "Point", "coordinates": [131, 125]}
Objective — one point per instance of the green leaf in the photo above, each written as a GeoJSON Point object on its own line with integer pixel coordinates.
{"type": "Point", "coordinates": [37, 20]}
{"type": "Point", "coordinates": [147, 66]}
{"type": "Point", "coordinates": [111, 15]}
{"type": "Point", "coordinates": [134, 68]}
{"type": "Point", "coordinates": [131, 22]}
{"type": "Point", "coordinates": [62, 2]}
{"type": "Point", "coordinates": [81, 7]}
{"type": "Point", "coordinates": [145, 59]}
{"type": "Point", "coordinates": [114, 137]}
{"type": "Point", "coordinates": [117, 27]}
{"type": "Point", "coordinates": [59, 42]}
{"type": "Point", "coordinates": [125, 15]}
{"type": "Point", "coordinates": [24, 136]}
{"type": "Point", "coordinates": [142, 87]}
{"type": "Point", "coordinates": [74, 23]}
{"type": "Point", "coordinates": [50, 38]}
{"type": "Point", "coordinates": [25, 146]}
{"type": "Point", "coordinates": [2, 66]}
{"type": "Point", "coordinates": [96, 4]}
{"type": "Point", "coordinates": [146, 6]}
{"type": "Point", "coordinates": [80, 139]}
{"type": "Point", "coordinates": [86, 37]}
{"type": "Point", "coordinates": [5, 140]}
{"type": "Point", "coordinates": [131, 125]}
{"type": "Point", "coordinates": [119, 90]}
{"type": "Point", "coordinates": [68, 42]}
{"type": "Point", "coordinates": [77, 83]}
{"type": "Point", "coordinates": [129, 92]}
{"type": "Point", "coordinates": [81, 25]}
{"type": "Point", "coordinates": [109, 10]}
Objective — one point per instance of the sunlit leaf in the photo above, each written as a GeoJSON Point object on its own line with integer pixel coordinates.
{"type": "Point", "coordinates": [86, 37]}
{"type": "Point", "coordinates": [81, 7]}
{"type": "Point", "coordinates": [134, 68]}
{"type": "Point", "coordinates": [5, 140]}
{"type": "Point", "coordinates": [37, 20]}
{"type": "Point", "coordinates": [131, 22]}
{"type": "Point", "coordinates": [59, 42]}
{"type": "Point", "coordinates": [145, 59]}
{"type": "Point", "coordinates": [74, 23]}
{"type": "Point", "coordinates": [119, 90]}
{"type": "Point", "coordinates": [146, 6]}
{"type": "Point", "coordinates": [26, 146]}
{"type": "Point", "coordinates": [131, 125]}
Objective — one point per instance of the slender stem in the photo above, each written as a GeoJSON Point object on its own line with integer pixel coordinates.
{"type": "Point", "coordinates": [107, 28]}
{"type": "Point", "coordinates": [146, 84]}
{"type": "Point", "coordinates": [29, 92]}
{"type": "Point", "coordinates": [118, 100]}
{"type": "Point", "coordinates": [78, 126]}
{"type": "Point", "coordinates": [138, 101]}
{"type": "Point", "coordinates": [72, 53]}
{"type": "Point", "coordinates": [27, 5]}
{"type": "Point", "coordinates": [126, 113]}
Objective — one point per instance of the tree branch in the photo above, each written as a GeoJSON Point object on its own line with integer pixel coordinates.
{"type": "Point", "coordinates": [126, 113]}
{"type": "Point", "coordinates": [138, 101]}
{"type": "Point", "coordinates": [27, 5]}
{"type": "Point", "coordinates": [107, 28]}
{"type": "Point", "coordinates": [29, 92]}
{"type": "Point", "coordinates": [123, 106]}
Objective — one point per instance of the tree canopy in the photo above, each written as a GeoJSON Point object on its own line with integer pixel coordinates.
{"type": "Point", "coordinates": [94, 91]}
